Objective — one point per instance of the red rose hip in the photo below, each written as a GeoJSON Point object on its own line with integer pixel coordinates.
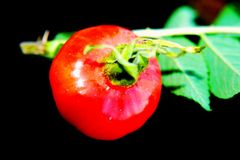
{"type": "Point", "coordinates": [96, 95]}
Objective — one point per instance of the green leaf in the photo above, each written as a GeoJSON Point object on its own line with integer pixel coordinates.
{"type": "Point", "coordinates": [182, 17]}
{"type": "Point", "coordinates": [228, 16]}
{"type": "Point", "coordinates": [222, 55]}
{"type": "Point", "coordinates": [187, 75]}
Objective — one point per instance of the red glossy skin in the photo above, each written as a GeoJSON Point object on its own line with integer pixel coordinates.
{"type": "Point", "coordinates": [86, 98]}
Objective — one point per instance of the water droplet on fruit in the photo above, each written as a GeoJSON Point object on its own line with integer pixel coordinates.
{"type": "Point", "coordinates": [76, 72]}
{"type": "Point", "coordinates": [80, 83]}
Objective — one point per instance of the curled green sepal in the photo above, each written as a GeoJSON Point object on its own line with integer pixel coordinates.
{"type": "Point", "coordinates": [171, 49]}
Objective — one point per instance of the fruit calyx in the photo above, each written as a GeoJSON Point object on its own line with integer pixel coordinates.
{"type": "Point", "coordinates": [127, 61]}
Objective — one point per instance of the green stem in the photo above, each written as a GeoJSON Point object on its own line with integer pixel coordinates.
{"type": "Point", "coordinates": [43, 46]}
{"type": "Point", "coordinates": [49, 49]}
{"type": "Point", "coordinates": [186, 31]}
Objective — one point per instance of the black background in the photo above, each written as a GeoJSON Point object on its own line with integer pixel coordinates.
{"type": "Point", "coordinates": [34, 120]}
